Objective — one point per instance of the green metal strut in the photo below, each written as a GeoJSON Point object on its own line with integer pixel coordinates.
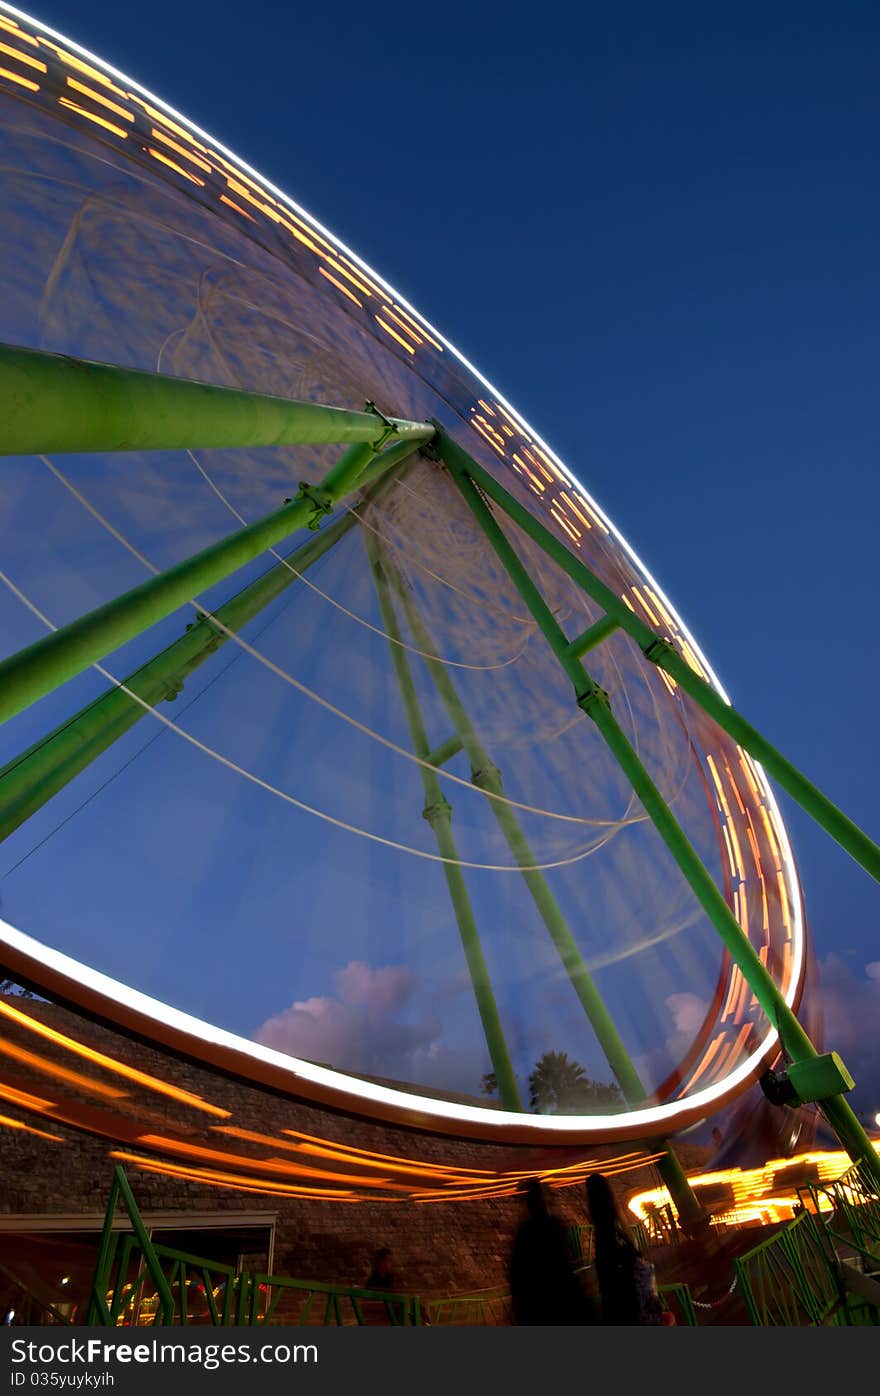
{"type": "Point", "coordinates": [594, 702]}
{"type": "Point", "coordinates": [52, 403]}
{"type": "Point", "coordinates": [50, 662]}
{"type": "Point", "coordinates": [658, 650]}
{"type": "Point", "coordinates": [438, 813]}
{"type": "Point", "coordinates": [31, 779]}
{"type": "Point", "coordinates": [486, 776]}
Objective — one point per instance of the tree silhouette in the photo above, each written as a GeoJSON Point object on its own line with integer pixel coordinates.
{"type": "Point", "coordinates": [559, 1085]}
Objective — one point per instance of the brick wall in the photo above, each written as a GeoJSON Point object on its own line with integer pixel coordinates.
{"type": "Point", "coordinates": [439, 1248]}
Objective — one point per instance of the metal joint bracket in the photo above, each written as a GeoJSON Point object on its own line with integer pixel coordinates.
{"type": "Point", "coordinates": [486, 776]}
{"type": "Point", "coordinates": [429, 449]}
{"type": "Point", "coordinates": [321, 499]}
{"type": "Point", "coordinates": [218, 634]}
{"type": "Point", "coordinates": [658, 650]}
{"type": "Point", "coordinates": [390, 428]}
{"type": "Point", "coordinates": [588, 700]}
{"type": "Point", "coordinates": [440, 809]}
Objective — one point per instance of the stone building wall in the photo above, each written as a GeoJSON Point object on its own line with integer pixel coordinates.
{"type": "Point", "coordinates": [440, 1248]}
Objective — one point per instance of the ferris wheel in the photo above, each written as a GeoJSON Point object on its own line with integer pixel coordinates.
{"type": "Point", "coordinates": [347, 742]}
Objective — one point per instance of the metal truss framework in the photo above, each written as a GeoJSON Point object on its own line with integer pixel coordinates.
{"type": "Point", "coordinates": [58, 404]}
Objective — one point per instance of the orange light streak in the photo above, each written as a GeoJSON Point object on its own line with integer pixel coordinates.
{"type": "Point", "coordinates": [377, 290]}
{"type": "Point", "coordinates": [131, 1073]}
{"type": "Point", "coordinates": [10, 1123]}
{"type": "Point", "coordinates": [173, 165]}
{"type": "Point", "coordinates": [418, 325]}
{"type": "Point", "coordinates": [98, 97]}
{"type": "Point", "coordinates": [24, 58]}
{"type": "Point", "coordinates": [270, 1165]}
{"type": "Point", "coordinates": [244, 1183]}
{"type": "Point", "coordinates": [349, 276]}
{"type": "Point", "coordinates": [732, 991]}
{"type": "Point", "coordinates": [569, 528]}
{"type": "Point", "coordinates": [61, 1073]}
{"type": "Point", "coordinates": [326, 1151]}
{"type": "Point", "coordinates": [703, 1067]}
{"type": "Point", "coordinates": [81, 67]}
{"type": "Point", "coordinates": [517, 426]}
{"type": "Point", "coordinates": [28, 1102]}
{"type": "Point", "coordinates": [181, 150]}
{"type": "Point", "coordinates": [394, 335]}
{"type": "Point", "coordinates": [749, 772]}
{"type": "Point", "coordinates": [172, 125]}
{"type": "Point", "coordinates": [92, 116]}
{"type": "Point", "coordinates": [243, 211]}
{"type": "Point", "coordinates": [734, 787]}
{"type": "Point", "coordinates": [660, 607]}
{"type": "Point", "coordinates": [575, 510]}
{"type": "Point", "coordinates": [13, 28]}
{"type": "Point", "coordinates": [771, 837]}
{"type": "Point", "coordinates": [484, 433]}
{"type": "Point", "coordinates": [339, 286]}
{"type": "Point", "coordinates": [386, 310]}
{"type": "Point", "coordinates": [645, 607]}
{"type": "Point", "coordinates": [22, 82]}
{"type": "Point", "coordinates": [390, 1158]}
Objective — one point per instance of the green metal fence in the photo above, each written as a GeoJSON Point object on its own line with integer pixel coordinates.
{"type": "Point", "coordinates": [793, 1280]}
{"type": "Point", "coordinates": [488, 1308]}
{"type": "Point", "coordinates": [140, 1282]}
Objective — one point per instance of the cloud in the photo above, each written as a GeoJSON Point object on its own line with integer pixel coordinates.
{"type": "Point", "coordinates": [851, 1007]}
{"type": "Point", "coordinates": [360, 1027]}
{"type": "Point", "coordinates": [688, 1012]}
{"type": "Point", "coordinates": [379, 991]}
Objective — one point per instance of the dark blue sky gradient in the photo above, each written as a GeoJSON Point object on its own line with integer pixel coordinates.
{"type": "Point", "coordinates": [654, 228]}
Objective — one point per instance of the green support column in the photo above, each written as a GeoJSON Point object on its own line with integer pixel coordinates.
{"type": "Point", "coordinates": [594, 702]}
{"type": "Point", "coordinates": [48, 663]}
{"type": "Point", "coordinates": [856, 842]}
{"type": "Point", "coordinates": [438, 813]}
{"type": "Point", "coordinates": [52, 403]}
{"type": "Point", "coordinates": [28, 782]}
{"type": "Point", "coordinates": [486, 776]}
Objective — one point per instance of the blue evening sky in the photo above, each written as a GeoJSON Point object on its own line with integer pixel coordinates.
{"type": "Point", "coordinates": [654, 227]}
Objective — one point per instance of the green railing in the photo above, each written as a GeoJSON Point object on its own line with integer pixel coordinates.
{"type": "Point", "coordinates": [279, 1299]}
{"type": "Point", "coordinates": [679, 1299]}
{"type": "Point", "coordinates": [488, 1308]}
{"type": "Point", "coordinates": [793, 1280]}
{"type": "Point", "coordinates": [139, 1282]}
{"type": "Point", "coordinates": [851, 1221]}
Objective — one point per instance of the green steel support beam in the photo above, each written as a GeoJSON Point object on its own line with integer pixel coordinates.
{"type": "Point", "coordinates": [438, 813]}
{"type": "Point", "coordinates": [50, 662]}
{"type": "Point", "coordinates": [486, 776]}
{"type": "Point", "coordinates": [52, 403]}
{"type": "Point", "coordinates": [658, 650]}
{"type": "Point", "coordinates": [445, 751]}
{"type": "Point", "coordinates": [594, 702]}
{"type": "Point", "coordinates": [28, 782]}
{"type": "Point", "coordinates": [592, 637]}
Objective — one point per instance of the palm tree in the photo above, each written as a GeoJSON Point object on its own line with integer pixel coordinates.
{"type": "Point", "coordinates": [555, 1079]}
{"type": "Point", "coordinates": [560, 1086]}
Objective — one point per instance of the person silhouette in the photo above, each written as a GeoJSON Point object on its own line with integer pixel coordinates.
{"type": "Point", "coordinates": [544, 1287]}
{"type": "Point", "coordinates": [627, 1284]}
